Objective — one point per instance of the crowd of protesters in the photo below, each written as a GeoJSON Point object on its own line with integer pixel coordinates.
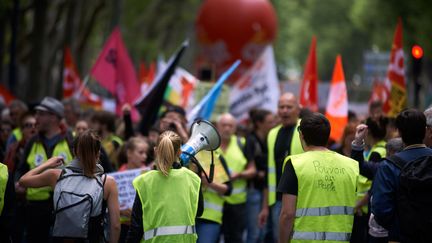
{"type": "Point", "coordinates": [267, 183]}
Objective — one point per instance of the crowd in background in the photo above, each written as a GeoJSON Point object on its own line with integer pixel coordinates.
{"type": "Point", "coordinates": [246, 208]}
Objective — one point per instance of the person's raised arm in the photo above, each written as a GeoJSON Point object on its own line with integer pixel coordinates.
{"type": "Point", "coordinates": [113, 208]}
{"type": "Point", "coordinates": [45, 174]}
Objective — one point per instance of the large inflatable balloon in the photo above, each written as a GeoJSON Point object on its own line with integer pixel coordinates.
{"type": "Point", "coordinates": [228, 30]}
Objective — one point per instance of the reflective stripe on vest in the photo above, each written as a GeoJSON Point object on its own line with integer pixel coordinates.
{"type": "Point", "coordinates": [4, 175]}
{"type": "Point", "coordinates": [325, 211]}
{"type": "Point", "coordinates": [236, 162]}
{"type": "Point", "coordinates": [295, 148]}
{"type": "Point", "coordinates": [364, 184]}
{"type": "Point", "coordinates": [326, 196]}
{"type": "Point", "coordinates": [335, 236]}
{"type": "Point", "coordinates": [213, 206]}
{"type": "Point", "coordinates": [169, 230]}
{"type": "Point", "coordinates": [36, 157]}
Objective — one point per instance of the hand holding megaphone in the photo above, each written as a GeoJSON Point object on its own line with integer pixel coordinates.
{"type": "Point", "coordinates": [204, 136]}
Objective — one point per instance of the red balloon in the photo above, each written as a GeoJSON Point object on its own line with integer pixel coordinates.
{"type": "Point", "coordinates": [228, 30]}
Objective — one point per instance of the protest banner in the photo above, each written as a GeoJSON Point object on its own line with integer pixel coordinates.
{"type": "Point", "coordinates": [126, 191]}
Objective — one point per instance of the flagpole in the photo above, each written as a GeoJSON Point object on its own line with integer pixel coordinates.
{"type": "Point", "coordinates": [81, 88]}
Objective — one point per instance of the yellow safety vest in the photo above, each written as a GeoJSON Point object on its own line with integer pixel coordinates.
{"type": "Point", "coordinates": [36, 157]}
{"type": "Point", "coordinates": [4, 175]}
{"type": "Point", "coordinates": [326, 196]}
{"type": "Point", "coordinates": [236, 162]}
{"type": "Point", "coordinates": [364, 184]}
{"type": "Point", "coordinates": [169, 205]}
{"type": "Point", "coordinates": [213, 206]}
{"type": "Point", "coordinates": [296, 148]}
{"type": "Point", "coordinates": [17, 133]}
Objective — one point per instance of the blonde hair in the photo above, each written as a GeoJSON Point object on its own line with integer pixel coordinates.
{"type": "Point", "coordinates": [166, 151]}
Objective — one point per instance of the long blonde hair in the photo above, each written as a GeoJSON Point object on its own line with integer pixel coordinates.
{"type": "Point", "coordinates": [166, 151]}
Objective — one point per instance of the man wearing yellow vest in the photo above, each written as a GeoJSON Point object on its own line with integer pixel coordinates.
{"type": "Point", "coordinates": [50, 141]}
{"type": "Point", "coordinates": [234, 212]}
{"type": "Point", "coordinates": [283, 140]}
{"type": "Point", "coordinates": [319, 189]}
{"type": "Point", "coordinates": [17, 108]}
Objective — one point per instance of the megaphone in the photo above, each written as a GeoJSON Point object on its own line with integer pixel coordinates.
{"type": "Point", "coordinates": [204, 136]}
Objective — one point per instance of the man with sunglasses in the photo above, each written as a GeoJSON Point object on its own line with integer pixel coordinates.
{"type": "Point", "coordinates": [50, 141]}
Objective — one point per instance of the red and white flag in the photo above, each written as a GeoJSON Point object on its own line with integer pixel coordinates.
{"type": "Point", "coordinates": [337, 105]}
{"type": "Point", "coordinates": [115, 72]}
{"type": "Point", "coordinates": [73, 87]}
{"type": "Point", "coordinates": [71, 79]}
{"type": "Point", "coordinates": [309, 85]}
{"type": "Point", "coordinates": [395, 82]}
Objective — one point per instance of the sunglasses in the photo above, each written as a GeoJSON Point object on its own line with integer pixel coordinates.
{"type": "Point", "coordinates": [29, 125]}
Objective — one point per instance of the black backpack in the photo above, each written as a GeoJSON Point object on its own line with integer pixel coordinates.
{"type": "Point", "coordinates": [414, 198]}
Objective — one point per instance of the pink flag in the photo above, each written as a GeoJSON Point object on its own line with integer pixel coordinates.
{"type": "Point", "coordinates": [114, 71]}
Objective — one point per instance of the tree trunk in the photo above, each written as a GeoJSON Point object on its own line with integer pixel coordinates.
{"type": "Point", "coordinates": [37, 84]}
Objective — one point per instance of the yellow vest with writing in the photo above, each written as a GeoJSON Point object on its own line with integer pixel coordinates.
{"type": "Point", "coordinates": [36, 157]}
{"type": "Point", "coordinates": [326, 196]}
{"type": "Point", "coordinates": [296, 148]}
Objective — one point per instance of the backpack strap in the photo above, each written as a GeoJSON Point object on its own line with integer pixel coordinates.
{"type": "Point", "coordinates": [397, 161]}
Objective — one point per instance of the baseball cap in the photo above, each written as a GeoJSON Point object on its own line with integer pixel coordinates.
{"type": "Point", "coordinates": [52, 105]}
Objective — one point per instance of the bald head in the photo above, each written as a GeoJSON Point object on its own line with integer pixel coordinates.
{"type": "Point", "coordinates": [288, 109]}
{"type": "Point", "coordinates": [226, 125]}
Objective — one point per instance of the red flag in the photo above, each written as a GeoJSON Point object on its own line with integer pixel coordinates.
{"type": "Point", "coordinates": [71, 79]}
{"type": "Point", "coordinates": [309, 85]}
{"type": "Point", "coordinates": [379, 92]}
{"type": "Point", "coordinates": [146, 77]}
{"type": "Point", "coordinates": [395, 82]}
{"type": "Point", "coordinates": [6, 95]}
{"type": "Point", "coordinates": [114, 71]}
{"type": "Point", "coordinates": [337, 105]}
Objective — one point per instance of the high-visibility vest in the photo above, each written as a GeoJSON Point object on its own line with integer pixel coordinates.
{"type": "Point", "coordinates": [326, 196]}
{"type": "Point", "coordinates": [296, 148]}
{"type": "Point", "coordinates": [36, 157]}
{"type": "Point", "coordinates": [4, 175]}
{"type": "Point", "coordinates": [169, 205]}
{"type": "Point", "coordinates": [17, 133]}
{"type": "Point", "coordinates": [213, 206]}
{"type": "Point", "coordinates": [236, 162]}
{"type": "Point", "coordinates": [364, 184]}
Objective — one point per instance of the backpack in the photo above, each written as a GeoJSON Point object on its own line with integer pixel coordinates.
{"type": "Point", "coordinates": [78, 202]}
{"type": "Point", "coordinates": [414, 198]}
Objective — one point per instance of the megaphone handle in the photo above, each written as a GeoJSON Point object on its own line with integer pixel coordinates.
{"type": "Point", "coordinates": [210, 179]}
{"type": "Point", "coordinates": [200, 168]}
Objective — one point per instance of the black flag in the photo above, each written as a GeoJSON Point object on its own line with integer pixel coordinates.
{"type": "Point", "coordinates": [150, 102]}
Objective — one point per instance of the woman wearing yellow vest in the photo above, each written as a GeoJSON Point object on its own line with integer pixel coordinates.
{"type": "Point", "coordinates": [167, 200]}
{"type": "Point", "coordinates": [134, 153]}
